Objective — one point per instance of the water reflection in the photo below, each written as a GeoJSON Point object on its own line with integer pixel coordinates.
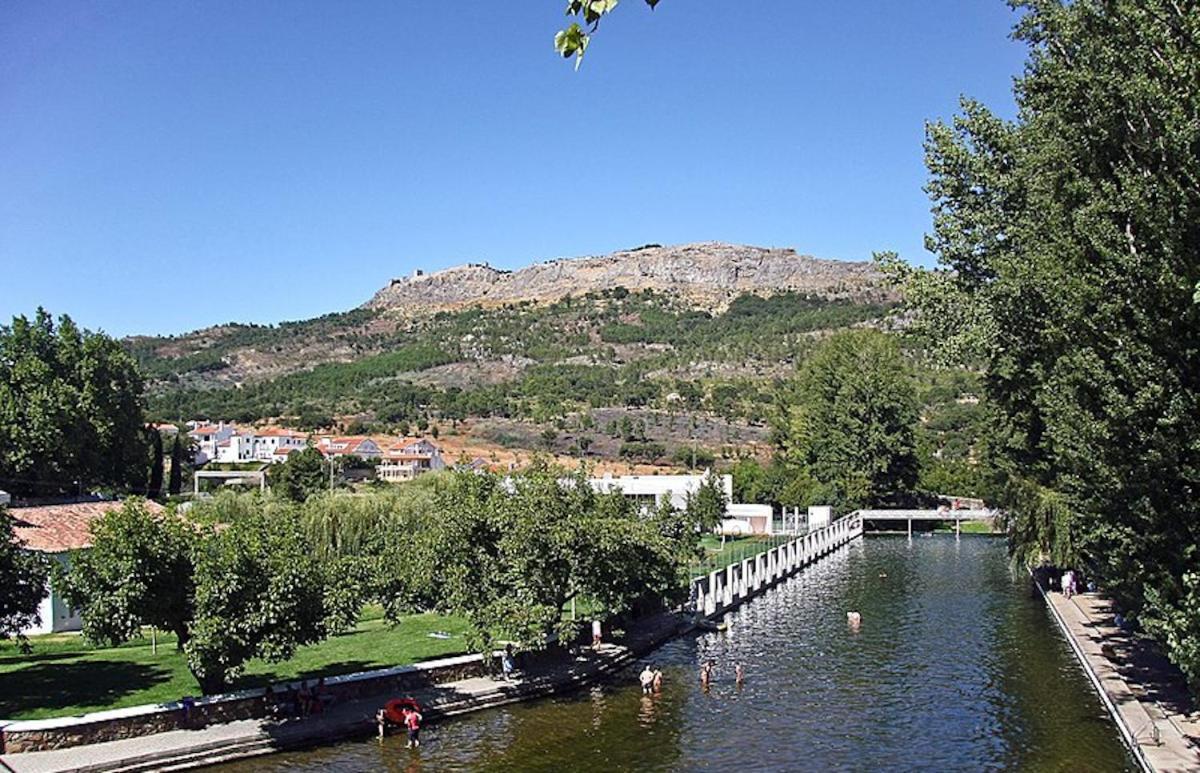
{"type": "Point", "coordinates": [953, 667]}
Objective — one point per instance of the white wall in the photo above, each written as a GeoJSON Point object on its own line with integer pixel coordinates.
{"type": "Point", "coordinates": [55, 614]}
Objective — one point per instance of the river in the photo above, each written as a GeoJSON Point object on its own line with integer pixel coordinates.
{"type": "Point", "coordinates": [956, 666]}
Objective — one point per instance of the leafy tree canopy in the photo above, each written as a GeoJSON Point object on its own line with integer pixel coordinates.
{"type": "Point", "coordinates": [846, 423]}
{"type": "Point", "coordinates": [1070, 246]}
{"type": "Point", "coordinates": [70, 410]}
{"type": "Point", "coordinates": [138, 572]}
{"type": "Point", "coordinates": [23, 576]}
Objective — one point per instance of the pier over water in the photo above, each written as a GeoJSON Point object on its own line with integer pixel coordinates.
{"type": "Point", "coordinates": [956, 666]}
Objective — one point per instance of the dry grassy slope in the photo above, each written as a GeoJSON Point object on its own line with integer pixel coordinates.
{"type": "Point", "coordinates": [708, 274]}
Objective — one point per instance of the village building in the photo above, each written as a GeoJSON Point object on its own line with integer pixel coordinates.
{"type": "Point", "coordinates": [361, 446]}
{"type": "Point", "coordinates": [276, 443]}
{"type": "Point", "coordinates": [650, 491]}
{"type": "Point", "coordinates": [207, 437]}
{"type": "Point", "coordinates": [57, 531]}
{"type": "Point", "coordinates": [409, 458]}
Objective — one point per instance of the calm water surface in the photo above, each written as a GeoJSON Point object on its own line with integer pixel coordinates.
{"type": "Point", "coordinates": [956, 667]}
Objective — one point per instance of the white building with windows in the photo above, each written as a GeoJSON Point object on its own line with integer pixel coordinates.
{"type": "Point", "coordinates": [409, 458]}
{"type": "Point", "coordinates": [362, 447]}
{"type": "Point", "coordinates": [275, 443]}
{"type": "Point", "coordinates": [651, 490]}
{"type": "Point", "coordinates": [207, 437]}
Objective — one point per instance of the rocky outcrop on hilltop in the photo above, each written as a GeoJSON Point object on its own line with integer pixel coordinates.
{"type": "Point", "coordinates": [709, 274]}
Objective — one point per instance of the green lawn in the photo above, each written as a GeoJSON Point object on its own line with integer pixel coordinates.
{"type": "Point", "coordinates": [967, 527]}
{"type": "Point", "coordinates": [64, 676]}
{"type": "Point", "coordinates": [735, 550]}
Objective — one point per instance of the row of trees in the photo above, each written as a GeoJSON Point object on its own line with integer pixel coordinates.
{"type": "Point", "coordinates": [246, 576]}
{"type": "Point", "coordinates": [1070, 240]}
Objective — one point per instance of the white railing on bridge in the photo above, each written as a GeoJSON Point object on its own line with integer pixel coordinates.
{"type": "Point", "coordinates": [723, 589]}
{"type": "Point", "coordinates": [927, 515]}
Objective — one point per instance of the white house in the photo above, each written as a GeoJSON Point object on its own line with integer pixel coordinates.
{"type": "Point", "coordinates": [274, 443]}
{"type": "Point", "coordinates": [238, 447]}
{"type": "Point", "coordinates": [362, 447]}
{"type": "Point", "coordinates": [57, 531]}
{"type": "Point", "coordinates": [409, 458]}
{"type": "Point", "coordinates": [207, 437]}
{"type": "Point", "coordinates": [758, 519]}
{"type": "Point", "coordinates": [650, 490]}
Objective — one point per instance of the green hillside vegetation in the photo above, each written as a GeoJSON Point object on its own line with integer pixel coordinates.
{"type": "Point", "coordinates": [610, 349]}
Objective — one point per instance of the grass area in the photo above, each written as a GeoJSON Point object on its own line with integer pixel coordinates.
{"type": "Point", "coordinates": [64, 676]}
{"type": "Point", "coordinates": [968, 527]}
{"type": "Point", "coordinates": [736, 549]}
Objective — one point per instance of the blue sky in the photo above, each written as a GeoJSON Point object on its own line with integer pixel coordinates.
{"type": "Point", "coordinates": [168, 165]}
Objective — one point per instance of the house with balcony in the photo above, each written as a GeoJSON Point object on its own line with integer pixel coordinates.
{"type": "Point", "coordinates": [409, 458]}
{"type": "Point", "coordinates": [360, 446]}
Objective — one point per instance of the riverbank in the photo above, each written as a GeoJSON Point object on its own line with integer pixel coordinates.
{"type": "Point", "coordinates": [230, 727]}
{"type": "Point", "coordinates": [1141, 689]}
{"type": "Point", "coordinates": [244, 738]}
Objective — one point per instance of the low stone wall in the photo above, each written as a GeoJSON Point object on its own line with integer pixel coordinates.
{"type": "Point", "coordinates": [115, 724]}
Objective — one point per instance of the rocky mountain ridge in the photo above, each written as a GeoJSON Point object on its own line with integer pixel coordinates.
{"type": "Point", "coordinates": [705, 274]}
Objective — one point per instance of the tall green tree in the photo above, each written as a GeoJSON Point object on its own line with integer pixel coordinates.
{"type": "Point", "coordinates": [70, 409]}
{"type": "Point", "coordinates": [1070, 241]}
{"type": "Point", "coordinates": [23, 576]}
{"type": "Point", "coordinates": [846, 425]}
{"type": "Point", "coordinates": [154, 486]}
{"type": "Point", "coordinates": [242, 588]}
{"type": "Point", "coordinates": [508, 554]}
{"type": "Point", "coordinates": [304, 474]}
{"type": "Point", "coordinates": [259, 594]}
{"type": "Point", "coordinates": [139, 571]}
{"type": "Point", "coordinates": [706, 505]}
{"type": "Point", "coordinates": [181, 456]}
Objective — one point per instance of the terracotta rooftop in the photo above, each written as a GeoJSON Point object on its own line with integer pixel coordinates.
{"type": "Point", "coordinates": [55, 528]}
{"type": "Point", "coordinates": [278, 432]}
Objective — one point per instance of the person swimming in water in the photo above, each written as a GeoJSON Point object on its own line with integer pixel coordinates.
{"type": "Point", "coordinates": [706, 674]}
{"type": "Point", "coordinates": [739, 674]}
{"type": "Point", "coordinates": [658, 680]}
{"type": "Point", "coordinates": [647, 679]}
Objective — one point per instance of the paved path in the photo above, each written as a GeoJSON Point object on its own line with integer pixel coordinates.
{"type": "Point", "coordinates": [1146, 691]}
{"type": "Point", "coordinates": [179, 749]}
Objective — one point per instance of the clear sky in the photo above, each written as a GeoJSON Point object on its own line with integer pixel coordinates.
{"type": "Point", "coordinates": [168, 165]}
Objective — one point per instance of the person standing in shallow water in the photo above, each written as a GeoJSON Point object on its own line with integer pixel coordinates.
{"type": "Point", "coordinates": [706, 674]}
{"type": "Point", "coordinates": [647, 679]}
{"type": "Point", "coordinates": [412, 720]}
{"type": "Point", "coordinates": [739, 674]}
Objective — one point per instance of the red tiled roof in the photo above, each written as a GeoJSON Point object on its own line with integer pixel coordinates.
{"type": "Point", "coordinates": [278, 432]}
{"type": "Point", "coordinates": [55, 528]}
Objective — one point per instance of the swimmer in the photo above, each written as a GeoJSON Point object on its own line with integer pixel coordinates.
{"type": "Point", "coordinates": [706, 673]}
{"type": "Point", "coordinates": [854, 619]}
{"type": "Point", "coordinates": [739, 674]}
{"type": "Point", "coordinates": [647, 680]}
{"type": "Point", "coordinates": [657, 680]}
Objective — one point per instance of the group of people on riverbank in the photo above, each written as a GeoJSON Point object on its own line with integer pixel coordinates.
{"type": "Point", "coordinates": [304, 701]}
